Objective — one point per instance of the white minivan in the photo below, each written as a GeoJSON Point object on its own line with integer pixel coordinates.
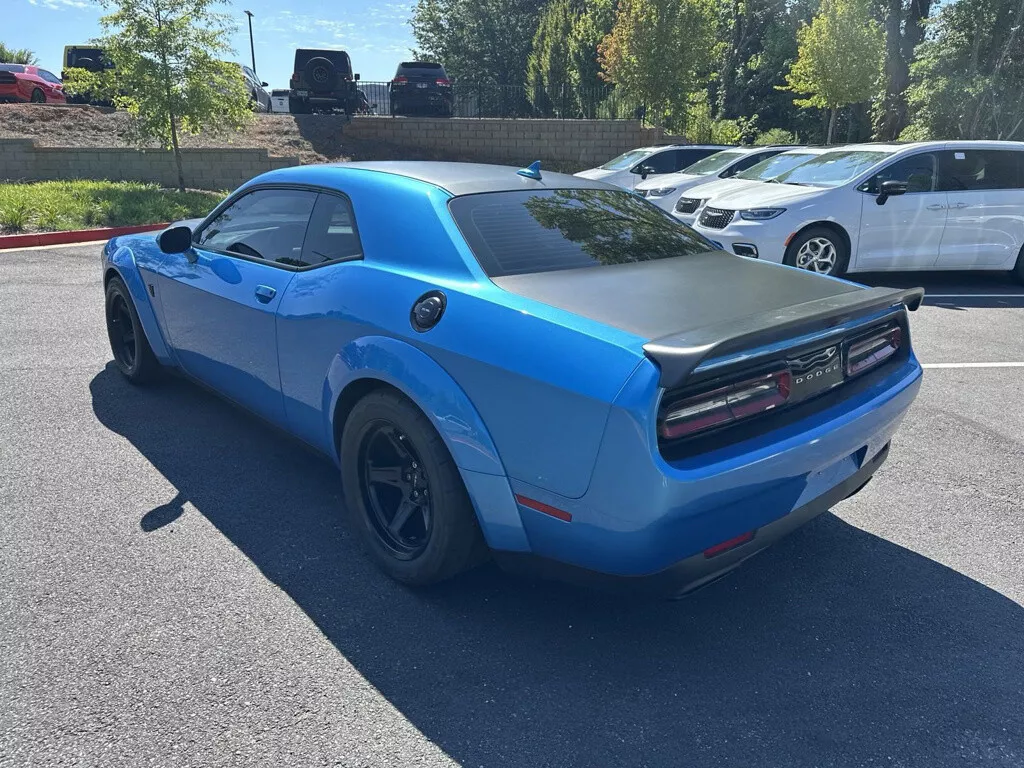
{"type": "Point", "coordinates": [868, 207]}
{"type": "Point", "coordinates": [664, 190]}
{"type": "Point", "coordinates": [688, 206]}
{"type": "Point", "coordinates": [630, 168]}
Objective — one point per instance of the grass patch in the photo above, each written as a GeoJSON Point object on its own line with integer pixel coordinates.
{"type": "Point", "coordinates": [51, 206]}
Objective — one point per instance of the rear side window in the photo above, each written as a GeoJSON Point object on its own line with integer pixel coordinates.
{"type": "Point", "coordinates": [268, 224]}
{"type": "Point", "coordinates": [514, 233]}
{"type": "Point", "coordinates": [48, 76]}
{"type": "Point", "coordinates": [967, 169]}
{"type": "Point", "coordinates": [18, 68]}
{"type": "Point", "coordinates": [332, 234]}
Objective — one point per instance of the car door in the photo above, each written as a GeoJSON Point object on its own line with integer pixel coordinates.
{"type": "Point", "coordinates": [985, 200]}
{"type": "Point", "coordinates": [220, 298]}
{"type": "Point", "coordinates": [906, 230]}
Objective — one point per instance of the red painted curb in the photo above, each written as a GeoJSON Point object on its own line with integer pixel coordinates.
{"type": "Point", "coordinates": [77, 236]}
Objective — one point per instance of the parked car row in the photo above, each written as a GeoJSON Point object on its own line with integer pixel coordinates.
{"type": "Point", "coordinates": [23, 83]}
{"type": "Point", "coordinates": [857, 208]}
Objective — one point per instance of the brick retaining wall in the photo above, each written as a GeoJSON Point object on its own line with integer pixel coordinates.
{"type": "Point", "coordinates": [23, 160]}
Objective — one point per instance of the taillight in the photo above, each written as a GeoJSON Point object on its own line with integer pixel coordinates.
{"type": "Point", "coordinates": [866, 353]}
{"type": "Point", "coordinates": [443, 81]}
{"type": "Point", "coordinates": [400, 80]}
{"type": "Point", "coordinates": [725, 405]}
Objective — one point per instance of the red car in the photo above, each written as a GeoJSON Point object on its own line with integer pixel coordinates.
{"type": "Point", "coordinates": [21, 82]}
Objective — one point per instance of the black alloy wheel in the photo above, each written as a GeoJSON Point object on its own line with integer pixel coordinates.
{"type": "Point", "coordinates": [122, 332]}
{"type": "Point", "coordinates": [133, 355]}
{"type": "Point", "coordinates": [38, 97]}
{"type": "Point", "coordinates": [395, 490]}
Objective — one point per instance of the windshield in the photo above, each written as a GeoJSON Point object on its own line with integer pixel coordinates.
{"type": "Point", "coordinates": [773, 166]}
{"type": "Point", "coordinates": [832, 168]}
{"type": "Point", "coordinates": [515, 233]}
{"type": "Point", "coordinates": [713, 163]}
{"type": "Point", "coordinates": [626, 160]}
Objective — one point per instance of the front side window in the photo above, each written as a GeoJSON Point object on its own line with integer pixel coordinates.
{"type": "Point", "coordinates": [966, 169]}
{"type": "Point", "coordinates": [514, 233]}
{"type": "Point", "coordinates": [625, 160]}
{"type": "Point", "coordinates": [832, 169]}
{"type": "Point", "coordinates": [918, 172]}
{"type": "Point", "coordinates": [268, 224]}
{"type": "Point", "coordinates": [48, 76]}
{"type": "Point", "coordinates": [661, 162]}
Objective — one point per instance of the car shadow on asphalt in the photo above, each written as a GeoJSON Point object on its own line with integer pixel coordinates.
{"type": "Point", "coordinates": [834, 648]}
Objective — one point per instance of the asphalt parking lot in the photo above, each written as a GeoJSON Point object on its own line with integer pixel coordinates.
{"type": "Point", "coordinates": [176, 589]}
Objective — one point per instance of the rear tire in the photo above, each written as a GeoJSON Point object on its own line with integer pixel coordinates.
{"type": "Point", "coordinates": [132, 353]}
{"type": "Point", "coordinates": [394, 463]}
{"type": "Point", "coordinates": [820, 250]}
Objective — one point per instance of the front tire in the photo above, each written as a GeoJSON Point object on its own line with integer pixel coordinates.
{"type": "Point", "coordinates": [1018, 269]}
{"type": "Point", "coordinates": [132, 353]}
{"type": "Point", "coordinates": [820, 250]}
{"type": "Point", "coordinates": [403, 493]}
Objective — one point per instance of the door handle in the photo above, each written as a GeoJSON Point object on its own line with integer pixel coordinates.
{"type": "Point", "coordinates": [935, 207]}
{"type": "Point", "coordinates": [265, 293]}
{"type": "Point", "coordinates": [961, 205]}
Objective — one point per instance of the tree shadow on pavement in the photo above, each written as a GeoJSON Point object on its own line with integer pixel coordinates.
{"type": "Point", "coordinates": [835, 648]}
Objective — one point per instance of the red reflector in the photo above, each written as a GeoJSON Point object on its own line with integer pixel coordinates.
{"type": "Point", "coordinates": [401, 79]}
{"type": "Point", "coordinates": [547, 509]}
{"type": "Point", "coordinates": [442, 81]}
{"type": "Point", "coordinates": [725, 404]}
{"type": "Point", "coordinates": [725, 546]}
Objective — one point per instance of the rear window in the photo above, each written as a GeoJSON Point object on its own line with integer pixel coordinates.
{"type": "Point", "coordinates": [338, 58]}
{"type": "Point", "coordinates": [515, 233]}
{"type": "Point", "coordinates": [94, 55]}
{"type": "Point", "coordinates": [420, 67]}
{"type": "Point", "coordinates": [20, 68]}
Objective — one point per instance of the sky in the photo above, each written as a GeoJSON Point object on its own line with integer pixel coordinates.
{"type": "Point", "coordinates": [375, 33]}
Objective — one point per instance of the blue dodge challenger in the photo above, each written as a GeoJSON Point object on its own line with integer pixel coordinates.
{"type": "Point", "coordinates": [532, 366]}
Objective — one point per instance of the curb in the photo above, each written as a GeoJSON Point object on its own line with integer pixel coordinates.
{"type": "Point", "coordinates": [76, 236]}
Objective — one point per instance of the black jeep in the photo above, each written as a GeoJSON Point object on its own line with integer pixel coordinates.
{"type": "Point", "coordinates": [421, 86]}
{"type": "Point", "coordinates": [91, 59]}
{"type": "Point", "coordinates": [323, 82]}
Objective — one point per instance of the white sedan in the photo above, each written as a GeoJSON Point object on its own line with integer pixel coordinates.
{"type": "Point", "coordinates": [872, 207]}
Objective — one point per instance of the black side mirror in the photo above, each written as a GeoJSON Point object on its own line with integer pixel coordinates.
{"type": "Point", "coordinates": [175, 240]}
{"type": "Point", "coordinates": [357, 76]}
{"type": "Point", "coordinates": [643, 170]}
{"type": "Point", "coordinates": [890, 189]}
{"type": "Point", "coordinates": [264, 84]}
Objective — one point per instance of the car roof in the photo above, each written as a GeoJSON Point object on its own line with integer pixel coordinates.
{"type": "Point", "coordinates": [473, 178]}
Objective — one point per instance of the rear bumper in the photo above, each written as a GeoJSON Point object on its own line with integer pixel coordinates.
{"type": "Point", "coordinates": [643, 515]}
{"type": "Point", "coordinates": [696, 571]}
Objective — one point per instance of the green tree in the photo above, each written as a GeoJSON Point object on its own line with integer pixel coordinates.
{"type": "Point", "coordinates": [657, 50]}
{"type": "Point", "coordinates": [837, 61]}
{"type": "Point", "coordinates": [968, 79]}
{"type": "Point", "coordinates": [17, 55]}
{"type": "Point", "coordinates": [478, 41]}
{"type": "Point", "coordinates": [168, 70]}
{"type": "Point", "coordinates": [547, 68]}
{"type": "Point", "coordinates": [904, 22]}
{"type": "Point", "coordinates": [589, 28]}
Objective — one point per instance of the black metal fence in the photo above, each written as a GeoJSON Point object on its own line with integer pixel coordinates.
{"type": "Point", "coordinates": [486, 100]}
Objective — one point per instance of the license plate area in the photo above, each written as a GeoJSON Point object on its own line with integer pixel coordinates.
{"type": "Point", "coordinates": [422, 85]}
{"type": "Point", "coordinates": [816, 373]}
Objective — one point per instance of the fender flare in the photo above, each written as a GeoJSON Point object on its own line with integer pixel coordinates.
{"type": "Point", "coordinates": [432, 389]}
{"type": "Point", "coordinates": [122, 262]}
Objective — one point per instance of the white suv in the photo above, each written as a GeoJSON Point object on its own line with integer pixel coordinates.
{"type": "Point", "coordinates": [630, 168]}
{"type": "Point", "coordinates": [930, 205]}
{"type": "Point", "coordinates": [663, 191]}
{"type": "Point", "coordinates": [687, 207]}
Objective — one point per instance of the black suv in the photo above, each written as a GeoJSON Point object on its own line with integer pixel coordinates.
{"type": "Point", "coordinates": [89, 58]}
{"type": "Point", "coordinates": [421, 86]}
{"type": "Point", "coordinates": [323, 82]}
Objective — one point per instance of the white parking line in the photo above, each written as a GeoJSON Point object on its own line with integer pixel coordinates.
{"type": "Point", "coordinates": [973, 296]}
{"type": "Point", "coordinates": [50, 247]}
{"type": "Point", "coordinates": [972, 365]}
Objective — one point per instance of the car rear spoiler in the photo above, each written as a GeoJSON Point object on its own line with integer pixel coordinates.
{"type": "Point", "coordinates": [678, 355]}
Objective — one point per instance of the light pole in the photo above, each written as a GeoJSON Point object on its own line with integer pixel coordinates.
{"type": "Point", "coordinates": [252, 48]}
